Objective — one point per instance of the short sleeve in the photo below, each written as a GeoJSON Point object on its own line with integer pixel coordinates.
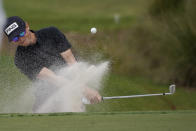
{"type": "Point", "coordinates": [61, 42]}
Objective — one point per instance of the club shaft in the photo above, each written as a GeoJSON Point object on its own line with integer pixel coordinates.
{"type": "Point", "coordinates": [133, 96]}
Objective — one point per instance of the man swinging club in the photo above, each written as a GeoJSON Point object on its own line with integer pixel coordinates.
{"type": "Point", "coordinates": [37, 51]}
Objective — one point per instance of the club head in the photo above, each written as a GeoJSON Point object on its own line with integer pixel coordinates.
{"type": "Point", "coordinates": [172, 89]}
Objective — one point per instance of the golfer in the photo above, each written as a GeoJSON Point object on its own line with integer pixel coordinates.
{"type": "Point", "coordinates": [38, 51]}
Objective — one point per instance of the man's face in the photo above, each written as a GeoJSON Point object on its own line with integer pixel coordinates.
{"type": "Point", "coordinates": [25, 40]}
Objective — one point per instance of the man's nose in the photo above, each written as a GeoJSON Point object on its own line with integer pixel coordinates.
{"type": "Point", "coordinates": [21, 38]}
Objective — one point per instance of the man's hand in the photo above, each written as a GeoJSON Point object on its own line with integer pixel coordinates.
{"type": "Point", "coordinates": [92, 95]}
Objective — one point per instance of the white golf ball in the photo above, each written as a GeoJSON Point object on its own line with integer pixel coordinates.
{"type": "Point", "coordinates": [93, 30]}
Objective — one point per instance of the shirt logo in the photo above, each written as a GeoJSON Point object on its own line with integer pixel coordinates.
{"type": "Point", "coordinates": [11, 28]}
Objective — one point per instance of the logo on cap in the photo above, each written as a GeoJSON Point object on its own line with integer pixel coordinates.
{"type": "Point", "coordinates": [11, 28]}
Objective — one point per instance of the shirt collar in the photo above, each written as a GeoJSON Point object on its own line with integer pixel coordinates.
{"type": "Point", "coordinates": [36, 35]}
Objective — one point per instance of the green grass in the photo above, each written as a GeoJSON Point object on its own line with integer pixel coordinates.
{"type": "Point", "coordinates": [75, 15]}
{"type": "Point", "coordinates": [126, 121]}
{"type": "Point", "coordinates": [117, 85]}
{"type": "Point", "coordinates": [79, 16]}
{"type": "Point", "coordinates": [13, 83]}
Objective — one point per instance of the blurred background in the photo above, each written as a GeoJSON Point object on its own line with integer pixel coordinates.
{"type": "Point", "coordinates": [150, 45]}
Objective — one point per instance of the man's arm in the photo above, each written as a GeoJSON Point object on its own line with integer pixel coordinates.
{"type": "Point", "coordinates": [68, 57]}
{"type": "Point", "coordinates": [89, 93]}
{"type": "Point", "coordinates": [46, 74]}
{"type": "Point", "coordinates": [49, 76]}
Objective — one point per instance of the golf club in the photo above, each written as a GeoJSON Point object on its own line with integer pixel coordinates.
{"type": "Point", "coordinates": [171, 91]}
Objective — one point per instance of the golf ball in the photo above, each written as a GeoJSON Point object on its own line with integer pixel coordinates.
{"type": "Point", "coordinates": [93, 30]}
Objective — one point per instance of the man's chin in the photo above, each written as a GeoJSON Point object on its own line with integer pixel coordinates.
{"type": "Point", "coordinates": [26, 43]}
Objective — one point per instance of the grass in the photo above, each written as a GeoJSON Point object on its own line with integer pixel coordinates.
{"type": "Point", "coordinates": [117, 85]}
{"type": "Point", "coordinates": [79, 16]}
{"type": "Point", "coordinates": [126, 121]}
{"type": "Point", "coordinates": [13, 83]}
{"type": "Point", "coordinates": [75, 15]}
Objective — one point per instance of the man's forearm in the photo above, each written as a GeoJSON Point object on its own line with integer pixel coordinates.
{"type": "Point", "coordinates": [68, 57]}
{"type": "Point", "coordinates": [49, 76]}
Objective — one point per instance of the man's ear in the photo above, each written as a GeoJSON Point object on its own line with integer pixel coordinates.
{"type": "Point", "coordinates": [27, 25]}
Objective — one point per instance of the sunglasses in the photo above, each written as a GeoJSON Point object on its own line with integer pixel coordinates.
{"type": "Point", "coordinates": [17, 37]}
